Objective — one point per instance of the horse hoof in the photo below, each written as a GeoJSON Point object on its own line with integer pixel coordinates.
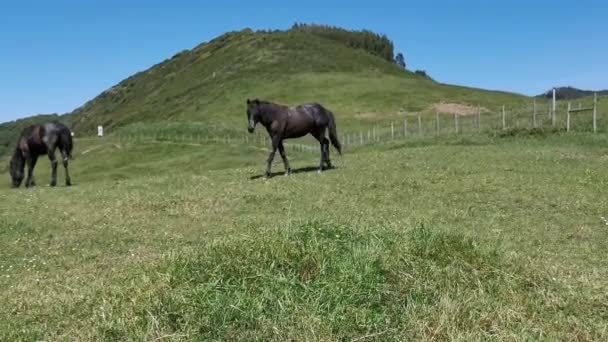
{"type": "Point", "coordinates": [53, 183]}
{"type": "Point", "coordinates": [68, 183]}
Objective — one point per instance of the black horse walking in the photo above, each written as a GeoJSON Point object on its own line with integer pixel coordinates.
{"type": "Point", "coordinates": [283, 122]}
{"type": "Point", "coordinates": [37, 140]}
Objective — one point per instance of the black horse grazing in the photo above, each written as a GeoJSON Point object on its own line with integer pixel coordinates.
{"type": "Point", "coordinates": [283, 122]}
{"type": "Point", "coordinates": [36, 140]}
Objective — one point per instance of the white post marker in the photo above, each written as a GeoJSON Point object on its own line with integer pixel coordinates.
{"type": "Point", "coordinates": [100, 131]}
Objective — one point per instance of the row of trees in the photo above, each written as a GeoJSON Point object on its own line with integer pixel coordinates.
{"type": "Point", "coordinates": [374, 43]}
{"type": "Point", "coordinates": [371, 42]}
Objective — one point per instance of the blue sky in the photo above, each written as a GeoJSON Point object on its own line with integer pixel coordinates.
{"type": "Point", "coordinates": [56, 55]}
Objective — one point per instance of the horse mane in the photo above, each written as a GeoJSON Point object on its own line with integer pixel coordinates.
{"type": "Point", "coordinates": [263, 102]}
{"type": "Point", "coordinates": [268, 103]}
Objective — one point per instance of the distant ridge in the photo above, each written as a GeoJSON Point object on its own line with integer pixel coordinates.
{"type": "Point", "coordinates": [571, 93]}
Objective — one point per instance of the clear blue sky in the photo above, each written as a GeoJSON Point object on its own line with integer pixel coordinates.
{"type": "Point", "coordinates": [56, 55]}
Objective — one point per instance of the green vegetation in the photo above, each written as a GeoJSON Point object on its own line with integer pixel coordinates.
{"type": "Point", "coordinates": [467, 238]}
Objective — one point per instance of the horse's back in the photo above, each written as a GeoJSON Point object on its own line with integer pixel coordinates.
{"type": "Point", "coordinates": [59, 135]}
{"type": "Point", "coordinates": [39, 138]}
{"type": "Point", "coordinates": [319, 113]}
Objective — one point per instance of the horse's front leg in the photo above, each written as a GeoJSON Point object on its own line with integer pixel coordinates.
{"type": "Point", "coordinates": [276, 140]}
{"type": "Point", "coordinates": [53, 167]}
{"type": "Point", "coordinates": [31, 163]}
{"type": "Point", "coordinates": [65, 156]}
{"type": "Point", "coordinates": [284, 157]}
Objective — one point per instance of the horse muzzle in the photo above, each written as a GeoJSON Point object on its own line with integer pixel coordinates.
{"type": "Point", "coordinates": [250, 129]}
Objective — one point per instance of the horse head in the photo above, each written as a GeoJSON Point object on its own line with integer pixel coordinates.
{"type": "Point", "coordinates": [253, 114]}
{"type": "Point", "coordinates": [17, 166]}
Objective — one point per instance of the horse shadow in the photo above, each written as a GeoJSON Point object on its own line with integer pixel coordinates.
{"type": "Point", "coordinates": [293, 172]}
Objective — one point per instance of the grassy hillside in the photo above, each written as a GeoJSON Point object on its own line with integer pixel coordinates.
{"type": "Point", "coordinates": [209, 84]}
{"type": "Point", "coordinates": [451, 238]}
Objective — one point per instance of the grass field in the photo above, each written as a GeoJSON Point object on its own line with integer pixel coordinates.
{"type": "Point", "coordinates": [456, 238]}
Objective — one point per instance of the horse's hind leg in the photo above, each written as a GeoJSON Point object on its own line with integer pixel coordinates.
{"type": "Point", "coordinates": [324, 143]}
{"type": "Point", "coordinates": [284, 157]}
{"type": "Point", "coordinates": [31, 163]}
{"type": "Point", "coordinates": [326, 146]}
{"type": "Point", "coordinates": [66, 157]}
{"type": "Point", "coordinates": [51, 153]}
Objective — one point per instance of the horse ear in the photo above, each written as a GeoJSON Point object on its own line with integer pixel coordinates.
{"type": "Point", "coordinates": [248, 101]}
{"type": "Point", "coordinates": [257, 102]}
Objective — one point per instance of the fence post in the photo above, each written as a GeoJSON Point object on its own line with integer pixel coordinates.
{"type": "Point", "coordinates": [594, 112]}
{"type": "Point", "coordinates": [419, 125]}
{"type": "Point", "coordinates": [360, 138]}
{"type": "Point", "coordinates": [437, 122]}
{"type": "Point", "coordinates": [553, 109]}
{"type": "Point", "coordinates": [504, 119]}
{"type": "Point", "coordinates": [405, 127]}
{"type": "Point", "coordinates": [568, 117]}
{"type": "Point", "coordinates": [392, 131]}
{"type": "Point", "coordinates": [456, 122]}
{"type": "Point", "coordinates": [478, 119]}
{"type": "Point", "coordinates": [534, 115]}
{"type": "Point", "coordinates": [368, 136]}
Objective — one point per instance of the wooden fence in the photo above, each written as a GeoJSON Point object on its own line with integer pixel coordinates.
{"type": "Point", "coordinates": [410, 126]}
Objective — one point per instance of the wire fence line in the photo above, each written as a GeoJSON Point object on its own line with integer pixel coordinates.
{"type": "Point", "coordinates": [574, 118]}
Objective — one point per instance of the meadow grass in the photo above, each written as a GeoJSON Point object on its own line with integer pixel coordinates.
{"type": "Point", "coordinates": [458, 238]}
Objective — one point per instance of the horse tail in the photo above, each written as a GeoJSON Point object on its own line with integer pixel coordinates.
{"type": "Point", "coordinates": [333, 134]}
{"type": "Point", "coordinates": [70, 146]}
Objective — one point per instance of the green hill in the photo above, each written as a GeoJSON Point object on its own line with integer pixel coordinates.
{"type": "Point", "coordinates": [203, 90]}
{"type": "Point", "coordinates": [209, 84]}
